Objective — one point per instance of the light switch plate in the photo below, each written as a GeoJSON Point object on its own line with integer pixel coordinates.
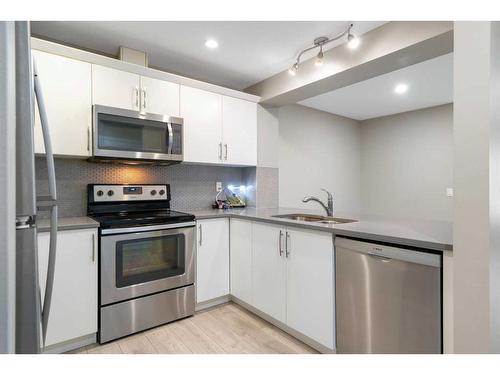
{"type": "Point", "coordinates": [449, 192]}
{"type": "Point", "coordinates": [218, 186]}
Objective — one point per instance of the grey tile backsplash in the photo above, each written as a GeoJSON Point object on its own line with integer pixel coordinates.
{"type": "Point", "coordinates": [192, 186]}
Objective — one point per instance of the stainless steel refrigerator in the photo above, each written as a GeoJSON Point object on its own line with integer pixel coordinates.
{"type": "Point", "coordinates": [25, 312]}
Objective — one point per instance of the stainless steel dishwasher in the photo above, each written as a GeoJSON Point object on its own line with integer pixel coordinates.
{"type": "Point", "coordinates": [388, 299]}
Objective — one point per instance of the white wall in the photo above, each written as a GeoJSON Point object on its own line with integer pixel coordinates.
{"type": "Point", "coordinates": [318, 150]}
{"type": "Point", "coordinates": [407, 164]}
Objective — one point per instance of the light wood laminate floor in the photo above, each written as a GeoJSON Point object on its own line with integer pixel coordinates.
{"type": "Point", "coordinates": [223, 329]}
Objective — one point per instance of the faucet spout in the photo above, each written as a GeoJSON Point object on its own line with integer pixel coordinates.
{"type": "Point", "coordinates": [327, 207]}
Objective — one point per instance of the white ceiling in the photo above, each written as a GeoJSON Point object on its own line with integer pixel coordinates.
{"type": "Point", "coordinates": [430, 83]}
{"type": "Point", "coordinates": [248, 52]}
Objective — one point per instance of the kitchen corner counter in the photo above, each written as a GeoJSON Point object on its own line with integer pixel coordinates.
{"type": "Point", "coordinates": [68, 223]}
{"type": "Point", "coordinates": [425, 234]}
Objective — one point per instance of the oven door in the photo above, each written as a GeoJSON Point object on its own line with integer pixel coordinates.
{"type": "Point", "coordinates": [125, 134]}
{"type": "Point", "coordinates": [142, 263]}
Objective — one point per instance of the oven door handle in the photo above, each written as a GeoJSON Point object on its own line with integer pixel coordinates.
{"type": "Point", "coordinates": [148, 228]}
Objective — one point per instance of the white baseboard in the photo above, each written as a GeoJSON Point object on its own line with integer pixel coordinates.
{"type": "Point", "coordinates": [299, 336]}
{"type": "Point", "coordinates": [212, 302]}
{"type": "Point", "coordinates": [69, 345]}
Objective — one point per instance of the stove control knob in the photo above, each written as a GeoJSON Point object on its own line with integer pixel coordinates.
{"type": "Point", "coordinates": [110, 193]}
{"type": "Point", "coordinates": [100, 193]}
{"type": "Point", "coordinates": [162, 192]}
{"type": "Point", "coordinates": [153, 192]}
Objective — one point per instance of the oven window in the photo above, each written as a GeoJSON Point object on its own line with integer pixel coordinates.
{"type": "Point", "coordinates": [131, 134]}
{"type": "Point", "coordinates": [148, 259]}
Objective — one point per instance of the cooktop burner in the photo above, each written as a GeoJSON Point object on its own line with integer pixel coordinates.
{"type": "Point", "coordinates": [119, 206]}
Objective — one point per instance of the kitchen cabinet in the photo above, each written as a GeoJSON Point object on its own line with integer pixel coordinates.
{"type": "Point", "coordinates": [202, 114]}
{"type": "Point", "coordinates": [159, 96]}
{"type": "Point", "coordinates": [218, 129]}
{"type": "Point", "coordinates": [115, 88]}
{"type": "Point", "coordinates": [241, 259]}
{"type": "Point", "coordinates": [73, 312]}
{"type": "Point", "coordinates": [239, 132]}
{"type": "Point", "coordinates": [309, 284]}
{"type": "Point", "coordinates": [66, 86]}
{"type": "Point", "coordinates": [212, 259]}
{"type": "Point", "coordinates": [268, 271]}
{"type": "Point", "coordinates": [293, 279]}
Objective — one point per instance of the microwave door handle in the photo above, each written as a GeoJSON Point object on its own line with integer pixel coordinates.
{"type": "Point", "coordinates": [170, 138]}
{"type": "Point", "coordinates": [53, 196]}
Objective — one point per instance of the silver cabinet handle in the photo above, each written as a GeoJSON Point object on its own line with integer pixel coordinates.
{"type": "Point", "coordinates": [220, 151]}
{"type": "Point", "coordinates": [287, 242]}
{"type": "Point", "coordinates": [144, 98]}
{"type": "Point", "coordinates": [88, 139]}
{"type": "Point", "coordinates": [280, 245]}
{"type": "Point", "coordinates": [201, 235]}
{"type": "Point", "coordinates": [225, 155]}
{"type": "Point", "coordinates": [136, 93]}
{"type": "Point", "coordinates": [93, 248]}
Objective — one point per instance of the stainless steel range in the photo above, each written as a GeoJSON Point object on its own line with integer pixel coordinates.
{"type": "Point", "coordinates": [146, 258]}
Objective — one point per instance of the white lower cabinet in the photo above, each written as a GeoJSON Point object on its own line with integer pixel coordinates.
{"type": "Point", "coordinates": [241, 259]}
{"type": "Point", "coordinates": [309, 285]}
{"type": "Point", "coordinates": [292, 276]}
{"type": "Point", "coordinates": [73, 312]}
{"type": "Point", "coordinates": [212, 259]}
{"type": "Point", "coordinates": [268, 271]}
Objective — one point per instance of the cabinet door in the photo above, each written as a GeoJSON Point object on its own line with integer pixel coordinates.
{"type": "Point", "coordinates": [115, 88]}
{"type": "Point", "coordinates": [239, 131]}
{"type": "Point", "coordinates": [73, 312]}
{"type": "Point", "coordinates": [310, 285]}
{"type": "Point", "coordinates": [159, 96]}
{"type": "Point", "coordinates": [241, 259]}
{"type": "Point", "coordinates": [212, 259]}
{"type": "Point", "coordinates": [66, 86]}
{"type": "Point", "coordinates": [202, 113]}
{"type": "Point", "coordinates": [268, 271]}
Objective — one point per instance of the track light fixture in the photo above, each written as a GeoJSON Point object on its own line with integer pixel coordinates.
{"type": "Point", "coordinates": [352, 43]}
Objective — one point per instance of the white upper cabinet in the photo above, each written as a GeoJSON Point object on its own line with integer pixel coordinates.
{"type": "Point", "coordinates": [73, 312]}
{"type": "Point", "coordinates": [212, 259]}
{"type": "Point", "coordinates": [310, 285]}
{"type": "Point", "coordinates": [115, 88]}
{"type": "Point", "coordinates": [202, 113]}
{"type": "Point", "coordinates": [218, 129]}
{"type": "Point", "coordinates": [66, 86]}
{"type": "Point", "coordinates": [239, 133]}
{"type": "Point", "coordinates": [159, 96]}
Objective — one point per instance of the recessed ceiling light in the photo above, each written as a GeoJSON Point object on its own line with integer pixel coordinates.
{"type": "Point", "coordinates": [401, 88]}
{"type": "Point", "coordinates": [211, 43]}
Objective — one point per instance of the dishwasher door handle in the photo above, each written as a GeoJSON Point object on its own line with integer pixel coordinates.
{"type": "Point", "coordinates": [380, 257]}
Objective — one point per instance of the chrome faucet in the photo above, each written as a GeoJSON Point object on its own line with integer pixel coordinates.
{"type": "Point", "coordinates": [328, 208]}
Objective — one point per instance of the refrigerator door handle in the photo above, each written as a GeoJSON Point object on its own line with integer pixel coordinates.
{"type": "Point", "coordinates": [53, 195]}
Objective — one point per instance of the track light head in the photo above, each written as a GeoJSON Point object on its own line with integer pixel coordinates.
{"type": "Point", "coordinates": [352, 41]}
{"type": "Point", "coordinates": [319, 57]}
{"type": "Point", "coordinates": [293, 69]}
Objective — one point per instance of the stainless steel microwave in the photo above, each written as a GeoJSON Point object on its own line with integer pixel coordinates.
{"type": "Point", "coordinates": [134, 137]}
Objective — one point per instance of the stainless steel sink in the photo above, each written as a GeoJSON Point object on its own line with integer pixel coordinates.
{"type": "Point", "coordinates": [315, 218]}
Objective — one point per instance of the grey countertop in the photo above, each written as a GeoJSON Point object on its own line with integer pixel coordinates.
{"type": "Point", "coordinates": [432, 235]}
{"type": "Point", "coordinates": [68, 223]}
{"type": "Point", "coordinates": [426, 234]}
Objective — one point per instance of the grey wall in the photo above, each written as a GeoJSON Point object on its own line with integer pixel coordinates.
{"type": "Point", "coordinates": [318, 150]}
{"type": "Point", "coordinates": [407, 164]}
{"type": "Point", "coordinates": [192, 186]}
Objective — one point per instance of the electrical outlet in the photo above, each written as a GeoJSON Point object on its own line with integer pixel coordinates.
{"type": "Point", "coordinates": [449, 192]}
{"type": "Point", "coordinates": [218, 186]}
